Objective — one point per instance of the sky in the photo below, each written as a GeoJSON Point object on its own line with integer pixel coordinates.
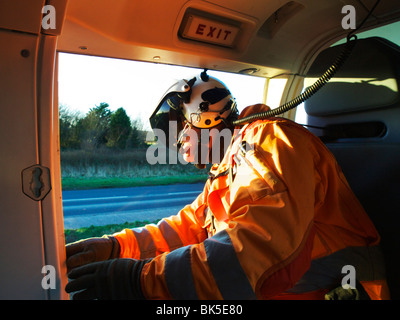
{"type": "Point", "coordinates": [86, 81]}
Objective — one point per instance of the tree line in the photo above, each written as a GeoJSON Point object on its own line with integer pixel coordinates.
{"type": "Point", "coordinates": [99, 128]}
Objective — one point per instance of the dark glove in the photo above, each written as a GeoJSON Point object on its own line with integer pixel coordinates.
{"type": "Point", "coordinates": [117, 279]}
{"type": "Point", "coordinates": [91, 250]}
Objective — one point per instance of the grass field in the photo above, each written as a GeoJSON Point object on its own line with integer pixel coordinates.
{"type": "Point", "coordinates": [72, 235]}
{"type": "Point", "coordinates": [110, 169]}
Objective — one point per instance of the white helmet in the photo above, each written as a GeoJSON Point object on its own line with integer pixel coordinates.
{"type": "Point", "coordinates": [202, 102]}
{"type": "Point", "coordinates": [209, 104]}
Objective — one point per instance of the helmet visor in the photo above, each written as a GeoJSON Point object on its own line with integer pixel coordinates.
{"type": "Point", "coordinates": [168, 117]}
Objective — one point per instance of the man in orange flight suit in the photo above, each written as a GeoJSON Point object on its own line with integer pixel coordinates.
{"type": "Point", "coordinates": [276, 218]}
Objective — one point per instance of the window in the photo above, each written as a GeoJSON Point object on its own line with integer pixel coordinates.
{"type": "Point", "coordinates": [275, 91]}
{"type": "Point", "coordinates": [96, 93]}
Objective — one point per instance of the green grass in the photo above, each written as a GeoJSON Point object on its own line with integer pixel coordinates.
{"type": "Point", "coordinates": [72, 235]}
{"type": "Point", "coordinates": [69, 183]}
{"type": "Point", "coordinates": [105, 169]}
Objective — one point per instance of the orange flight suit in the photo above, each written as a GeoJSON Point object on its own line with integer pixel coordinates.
{"type": "Point", "coordinates": [276, 220]}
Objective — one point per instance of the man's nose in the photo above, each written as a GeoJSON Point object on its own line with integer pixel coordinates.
{"type": "Point", "coordinates": [183, 134]}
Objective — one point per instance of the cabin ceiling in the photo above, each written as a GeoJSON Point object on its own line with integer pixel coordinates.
{"type": "Point", "coordinates": [275, 36]}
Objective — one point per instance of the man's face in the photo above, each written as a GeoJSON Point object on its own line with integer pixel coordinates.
{"type": "Point", "coordinates": [204, 146]}
{"type": "Point", "coordinates": [190, 143]}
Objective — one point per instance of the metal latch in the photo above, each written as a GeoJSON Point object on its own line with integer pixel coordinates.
{"type": "Point", "coordinates": [36, 182]}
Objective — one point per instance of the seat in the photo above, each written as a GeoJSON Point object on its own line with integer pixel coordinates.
{"type": "Point", "coordinates": [357, 115]}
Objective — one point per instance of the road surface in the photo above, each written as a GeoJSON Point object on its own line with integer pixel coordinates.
{"type": "Point", "coordinates": [84, 208]}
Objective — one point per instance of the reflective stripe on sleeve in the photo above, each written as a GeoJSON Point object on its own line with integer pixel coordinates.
{"type": "Point", "coordinates": [178, 274]}
{"type": "Point", "coordinates": [225, 266]}
{"type": "Point", "coordinates": [170, 235]}
{"type": "Point", "coordinates": [145, 242]}
{"type": "Point", "coordinates": [327, 272]}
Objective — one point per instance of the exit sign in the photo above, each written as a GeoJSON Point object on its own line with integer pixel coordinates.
{"type": "Point", "coordinates": [210, 31]}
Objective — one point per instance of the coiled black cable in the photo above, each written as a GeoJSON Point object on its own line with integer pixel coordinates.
{"type": "Point", "coordinates": [310, 91]}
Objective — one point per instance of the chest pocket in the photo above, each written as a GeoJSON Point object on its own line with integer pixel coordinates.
{"type": "Point", "coordinates": [251, 177]}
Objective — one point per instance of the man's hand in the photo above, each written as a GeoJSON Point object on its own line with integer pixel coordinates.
{"type": "Point", "coordinates": [91, 250]}
{"type": "Point", "coordinates": [112, 279]}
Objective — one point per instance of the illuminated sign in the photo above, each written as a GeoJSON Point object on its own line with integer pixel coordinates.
{"type": "Point", "coordinates": [210, 31]}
